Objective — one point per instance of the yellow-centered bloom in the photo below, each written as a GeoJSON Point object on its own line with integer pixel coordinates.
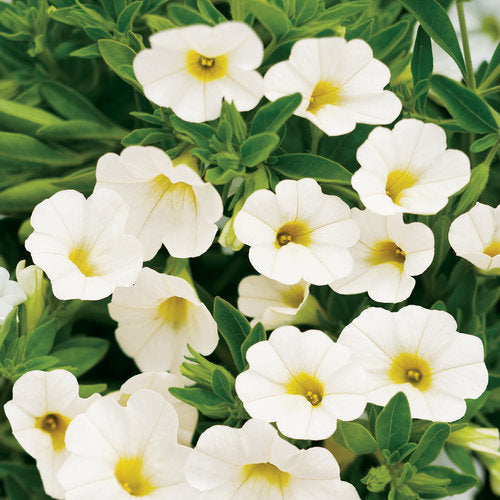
{"type": "Point", "coordinates": [419, 352]}
{"type": "Point", "coordinates": [192, 69]}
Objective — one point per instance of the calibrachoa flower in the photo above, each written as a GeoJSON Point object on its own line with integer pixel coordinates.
{"type": "Point", "coordinates": [191, 69]}
{"type": "Point", "coordinates": [82, 246]}
{"type": "Point", "coordinates": [160, 382]}
{"type": "Point", "coordinates": [274, 304]}
{"type": "Point", "coordinates": [408, 169]}
{"type": "Point", "coordinates": [297, 233]}
{"type": "Point", "coordinates": [475, 236]}
{"type": "Point", "coordinates": [158, 317]}
{"type": "Point", "coordinates": [121, 452]}
{"type": "Point", "coordinates": [419, 352]}
{"type": "Point", "coordinates": [255, 463]}
{"type": "Point", "coordinates": [169, 205]}
{"type": "Point", "coordinates": [303, 381]}
{"type": "Point", "coordinates": [11, 294]}
{"type": "Point", "coordinates": [42, 407]}
{"type": "Point", "coordinates": [340, 82]}
{"type": "Point", "coordinates": [388, 254]}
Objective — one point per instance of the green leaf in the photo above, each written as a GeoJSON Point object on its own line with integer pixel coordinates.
{"type": "Point", "coordinates": [393, 425]}
{"type": "Point", "coordinates": [440, 228]}
{"type": "Point", "coordinates": [24, 147]}
{"type": "Point", "coordinates": [421, 61]}
{"type": "Point", "coordinates": [25, 196]}
{"type": "Point", "coordinates": [15, 490]}
{"type": "Point", "coordinates": [430, 445]}
{"type": "Point", "coordinates": [145, 136]}
{"type": "Point", "coordinates": [183, 15]}
{"type": "Point", "coordinates": [71, 104]}
{"type": "Point", "coordinates": [461, 458]}
{"type": "Point", "coordinates": [82, 180]}
{"type": "Point", "coordinates": [233, 327]}
{"type": "Point", "coordinates": [19, 117]}
{"type": "Point", "coordinates": [8, 331]}
{"type": "Point", "coordinates": [80, 353]}
{"type": "Point", "coordinates": [272, 116]}
{"type": "Point", "coordinates": [257, 148]}
{"type": "Point", "coordinates": [233, 116]}
{"type": "Point", "coordinates": [469, 110]}
{"type": "Point", "coordinates": [257, 334]}
{"type": "Point", "coordinates": [385, 41]}
{"type": "Point", "coordinates": [270, 16]}
{"type": "Point", "coordinates": [200, 133]}
{"type": "Point", "coordinates": [357, 438]}
{"type": "Point", "coordinates": [459, 483]}
{"type": "Point", "coordinates": [206, 402]}
{"type": "Point", "coordinates": [478, 180]}
{"type": "Point", "coordinates": [86, 390]}
{"type": "Point", "coordinates": [484, 143]}
{"type": "Point", "coordinates": [300, 165]}
{"type": "Point", "coordinates": [89, 52]}
{"type": "Point", "coordinates": [207, 9]}
{"type": "Point", "coordinates": [127, 16]}
{"type": "Point", "coordinates": [119, 57]}
{"type": "Point", "coordinates": [437, 24]}
{"type": "Point", "coordinates": [223, 385]}
{"type": "Point", "coordinates": [494, 62]}
{"type": "Point", "coordinates": [80, 129]}
{"type": "Point", "coordinates": [40, 363]}
{"type": "Point", "coordinates": [41, 339]}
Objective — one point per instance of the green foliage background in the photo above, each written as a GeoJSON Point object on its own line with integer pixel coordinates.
{"type": "Point", "coordinates": [68, 95]}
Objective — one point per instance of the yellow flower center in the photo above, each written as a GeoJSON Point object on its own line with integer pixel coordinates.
{"type": "Point", "coordinates": [397, 182]}
{"type": "Point", "coordinates": [323, 94]}
{"type": "Point", "coordinates": [493, 249]}
{"type": "Point", "coordinates": [293, 232]}
{"type": "Point", "coordinates": [80, 256]}
{"type": "Point", "coordinates": [206, 68]}
{"type": "Point", "coordinates": [293, 295]}
{"type": "Point", "coordinates": [387, 252]}
{"type": "Point", "coordinates": [411, 368]}
{"type": "Point", "coordinates": [303, 384]}
{"type": "Point", "coordinates": [129, 473]}
{"type": "Point", "coordinates": [55, 425]}
{"type": "Point", "coordinates": [174, 311]}
{"type": "Point", "coordinates": [266, 472]}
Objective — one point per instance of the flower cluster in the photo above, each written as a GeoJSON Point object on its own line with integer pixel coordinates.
{"type": "Point", "coordinates": [370, 333]}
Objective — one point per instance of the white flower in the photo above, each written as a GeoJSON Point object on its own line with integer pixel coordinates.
{"type": "Point", "coordinates": [191, 69]}
{"type": "Point", "coordinates": [475, 236]}
{"type": "Point", "coordinates": [81, 244]}
{"type": "Point", "coordinates": [303, 381]}
{"type": "Point", "coordinates": [274, 304]}
{"type": "Point", "coordinates": [42, 406]}
{"type": "Point", "coordinates": [117, 452]}
{"type": "Point", "coordinates": [388, 254]}
{"type": "Point", "coordinates": [419, 352]}
{"type": "Point", "coordinates": [408, 169]}
{"type": "Point", "coordinates": [340, 82]}
{"type": "Point", "coordinates": [158, 317]}
{"type": "Point", "coordinates": [255, 463]}
{"type": "Point", "coordinates": [169, 205]}
{"type": "Point", "coordinates": [297, 233]}
{"type": "Point", "coordinates": [160, 382]}
{"type": "Point", "coordinates": [11, 294]}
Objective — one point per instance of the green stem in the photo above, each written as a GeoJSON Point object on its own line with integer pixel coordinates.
{"type": "Point", "coordinates": [465, 42]}
{"type": "Point", "coordinates": [491, 90]}
{"type": "Point", "coordinates": [492, 153]}
{"type": "Point", "coordinates": [270, 48]}
{"type": "Point", "coordinates": [490, 78]}
{"type": "Point", "coordinates": [316, 135]}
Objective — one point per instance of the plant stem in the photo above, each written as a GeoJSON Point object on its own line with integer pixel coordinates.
{"type": "Point", "coordinates": [490, 78]}
{"type": "Point", "coordinates": [492, 153]}
{"type": "Point", "coordinates": [471, 82]}
{"type": "Point", "coordinates": [316, 135]}
{"type": "Point", "coordinates": [491, 90]}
